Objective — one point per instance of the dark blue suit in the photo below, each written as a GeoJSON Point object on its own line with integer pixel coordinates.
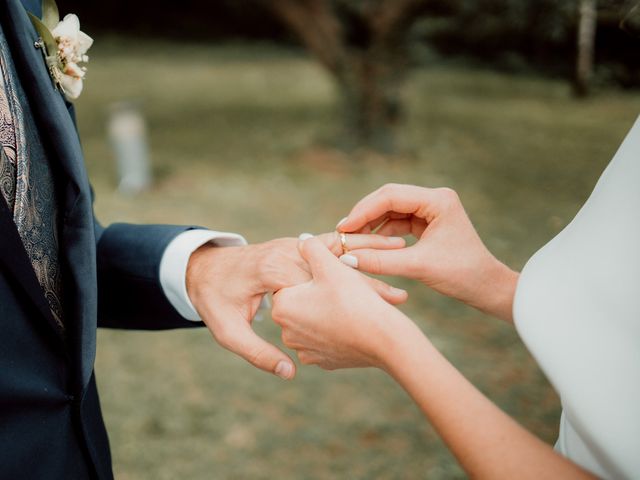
{"type": "Point", "coordinates": [50, 421]}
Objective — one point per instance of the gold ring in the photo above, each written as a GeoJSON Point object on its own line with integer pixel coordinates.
{"type": "Point", "coordinates": [343, 242]}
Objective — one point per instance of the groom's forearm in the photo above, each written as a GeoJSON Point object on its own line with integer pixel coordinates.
{"type": "Point", "coordinates": [130, 292]}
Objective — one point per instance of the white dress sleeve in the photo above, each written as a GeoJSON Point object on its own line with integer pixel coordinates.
{"type": "Point", "coordinates": [577, 308]}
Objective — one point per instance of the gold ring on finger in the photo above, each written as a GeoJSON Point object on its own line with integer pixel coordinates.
{"type": "Point", "coordinates": [343, 242]}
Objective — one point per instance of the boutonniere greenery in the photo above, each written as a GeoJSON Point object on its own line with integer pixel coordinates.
{"type": "Point", "coordinates": [65, 48]}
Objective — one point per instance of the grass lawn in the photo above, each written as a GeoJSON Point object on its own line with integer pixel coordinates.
{"type": "Point", "coordinates": [237, 135]}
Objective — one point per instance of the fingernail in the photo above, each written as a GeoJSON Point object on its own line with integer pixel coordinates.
{"type": "Point", "coordinates": [305, 236]}
{"type": "Point", "coordinates": [398, 291]}
{"type": "Point", "coordinates": [341, 222]}
{"type": "Point", "coordinates": [349, 260]}
{"type": "Point", "coordinates": [396, 240]}
{"type": "Point", "coordinates": [284, 370]}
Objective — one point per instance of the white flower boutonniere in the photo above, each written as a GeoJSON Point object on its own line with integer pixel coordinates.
{"type": "Point", "coordinates": [65, 48]}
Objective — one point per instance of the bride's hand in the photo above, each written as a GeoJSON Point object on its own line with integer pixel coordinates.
{"type": "Point", "coordinates": [449, 255]}
{"type": "Point", "coordinates": [368, 241]}
{"type": "Point", "coordinates": [338, 319]}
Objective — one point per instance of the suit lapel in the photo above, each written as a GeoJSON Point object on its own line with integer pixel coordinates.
{"type": "Point", "coordinates": [59, 135]}
{"type": "Point", "coordinates": [33, 6]}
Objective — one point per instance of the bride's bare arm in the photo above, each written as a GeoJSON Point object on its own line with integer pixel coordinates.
{"type": "Point", "coordinates": [337, 320]}
{"type": "Point", "coordinates": [487, 442]}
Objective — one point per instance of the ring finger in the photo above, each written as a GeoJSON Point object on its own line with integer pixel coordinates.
{"type": "Point", "coordinates": [357, 241]}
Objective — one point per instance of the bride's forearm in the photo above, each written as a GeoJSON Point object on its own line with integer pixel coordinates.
{"type": "Point", "coordinates": [486, 441]}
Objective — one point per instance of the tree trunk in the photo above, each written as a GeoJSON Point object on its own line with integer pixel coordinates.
{"type": "Point", "coordinates": [587, 22]}
{"type": "Point", "coordinates": [371, 104]}
{"type": "Point", "coordinates": [369, 74]}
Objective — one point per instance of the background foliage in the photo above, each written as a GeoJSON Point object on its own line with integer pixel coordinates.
{"type": "Point", "coordinates": [234, 134]}
{"type": "Point", "coordinates": [242, 128]}
{"type": "Point", "coordinates": [517, 35]}
{"type": "Point", "coordinates": [370, 47]}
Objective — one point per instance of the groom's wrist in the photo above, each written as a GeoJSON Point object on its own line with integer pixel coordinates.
{"type": "Point", "coordinates": [175, 261]}
{"type": "Point", "coordinates": [213, 270]}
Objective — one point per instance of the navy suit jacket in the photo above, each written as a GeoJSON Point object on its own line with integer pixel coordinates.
{"type": "Point", "coordinates": [50, 420]}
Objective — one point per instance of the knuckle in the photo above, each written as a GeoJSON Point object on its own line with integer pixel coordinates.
{"type": "Point", "coordinates": [255, 354]}
{"type": "Point", "coordinates": [449, 196]}
{"type": "Point", "coordinates": [332, 241]}
{"type": "Point", "coordinates": [382, 287]}
{"type": "Point", "coordinates": [287, 341]}
{"type": "Point", "coordinates": [305, 358]}
{"type": "Point", "coordinates": [388, 188]}
{"type": "Point", "coordinates": [266, 265]}
{"type": "Point", "coordinates": [375, 263]}
{"type": "Point", "coordinates": [279, 306]}
{"type": "Point", "coordinates": [276, 308]}
{"type": "Point", "coordinates": [276, 315]}
{"type": "Point", "coordinates": [387, 241]}
{"type": "Point", "coordinates": [272, 255]}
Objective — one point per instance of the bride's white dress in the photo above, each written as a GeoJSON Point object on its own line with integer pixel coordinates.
{"type": "Point", "coordinates": [577, 308]}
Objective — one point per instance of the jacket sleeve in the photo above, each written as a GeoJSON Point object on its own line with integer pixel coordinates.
{"type": "Point", "coordinates": [130, 295]}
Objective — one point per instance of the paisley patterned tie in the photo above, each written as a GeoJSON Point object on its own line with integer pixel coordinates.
{"type": "Point", "coordinates": [27, 183]}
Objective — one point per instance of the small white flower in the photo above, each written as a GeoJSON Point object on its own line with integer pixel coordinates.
{"type": "Point", "coordinates": [71, 86]}
{"type": "Point", "coordinates": [73, 70]}
{"type": "Point", "coordinates": [73, 45]}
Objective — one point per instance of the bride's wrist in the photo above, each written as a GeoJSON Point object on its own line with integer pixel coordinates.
{"type": "Point", "coordinates": [401, 339]}
{"type": "Point", "coordinates": [498, 290]}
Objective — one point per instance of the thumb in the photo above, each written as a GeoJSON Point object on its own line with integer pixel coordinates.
{"type": "Point", "coordinates": [239, 338]}
{"type": "Point", "coordinates": [401, 262]}
{"type": "Point", "coordinates": [317, 255]}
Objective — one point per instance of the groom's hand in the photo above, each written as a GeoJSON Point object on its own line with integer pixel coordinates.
{"type": "Point", "coordinates": [226, 286]}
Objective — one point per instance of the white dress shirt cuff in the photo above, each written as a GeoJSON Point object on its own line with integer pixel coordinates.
{"type": "Point", "coordinates": [173, 266]}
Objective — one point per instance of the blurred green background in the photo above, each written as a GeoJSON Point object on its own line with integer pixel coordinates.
{"type": "Point", "coordinates": [242, 138]}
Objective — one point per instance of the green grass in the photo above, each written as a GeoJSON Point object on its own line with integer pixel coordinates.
{"type": "Point", "coordinates": [237, 135]}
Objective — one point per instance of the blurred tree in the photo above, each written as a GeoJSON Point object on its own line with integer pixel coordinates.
{"type": "Point", "coordinates": [363, 44]}
{"type": "Point", "coordinates": [631, 21]}
{"type": "Point", "coordinates": [587, 23]}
